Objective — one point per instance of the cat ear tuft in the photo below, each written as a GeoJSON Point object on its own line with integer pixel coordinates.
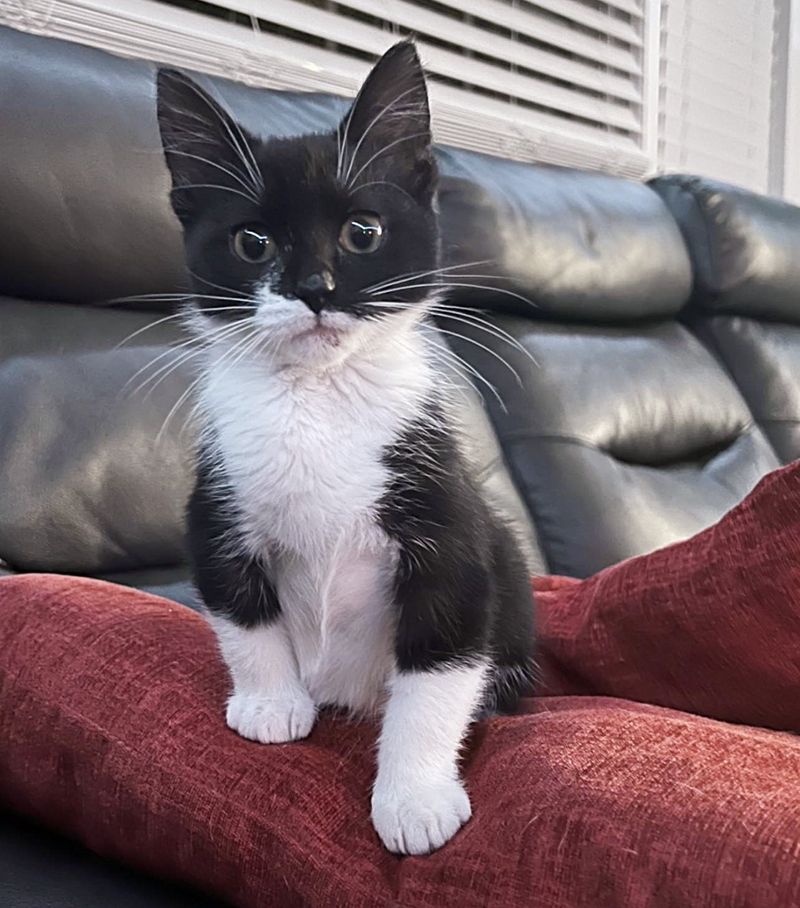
{"type": "Point", "coordinates": [205, 148]}
{"type": "Point", "coordinates": [387, 130]}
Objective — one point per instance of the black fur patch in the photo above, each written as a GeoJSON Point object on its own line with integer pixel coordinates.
{"type": "Point", "coordinates": [462, 589]}
{"type": "Point", "coordinates": [232, 585]}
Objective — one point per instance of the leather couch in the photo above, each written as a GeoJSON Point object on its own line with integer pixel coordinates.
{"type": "Point", "coordinates": [658, 380]}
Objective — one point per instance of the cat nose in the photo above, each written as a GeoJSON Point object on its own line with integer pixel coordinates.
{"type": "Point", "coordinates": [315, 289]}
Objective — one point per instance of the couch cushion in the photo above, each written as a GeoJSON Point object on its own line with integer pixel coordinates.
{"type": "Point", "coordinates": [764, 360]}
{"type": "Point", "coordinates": [87, 482]}
{"type": "Point", "coordinates": [173, 583]}
{"type": "Point", "coordinates": [38, 328]}
{"type": "Point", "coordinates": [746, 299]}
{"type": "Point", "coordinates": [576, 245]}
{"type": "Point", "coordinates": [622, 439]}
{"type": "Point", "coordinates": [743, 247]}
{"type": "Point", "coordinates": [574, 799]}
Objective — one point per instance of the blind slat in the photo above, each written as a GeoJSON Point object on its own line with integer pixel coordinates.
{"type": "Point", "coordinates": [524, 19]}
{"type": "Point", "coordinates": [443, 62]}
{"type": "Point", "coordinates": [152, 30]}
{"type": "Point", "coordinates": [582, 14]}
{"type": "Point", "coordinates": [716, 89]}
{"type": "Point", "coordinates": [736, 18]}
{"type": "Point", "coordinates": [632, 7]}
{"type": "Point", "coordinates": [694, 133]}
{"type": "Point", "coordinates": [424, 22]}
{"type": "Point", "coordinates": [704, 76]}
{"type": "Point", "coordinates": [723, 119]}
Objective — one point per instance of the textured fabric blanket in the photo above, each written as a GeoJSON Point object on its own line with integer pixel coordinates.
{"type": "Point", "coordinates": [635, 778]}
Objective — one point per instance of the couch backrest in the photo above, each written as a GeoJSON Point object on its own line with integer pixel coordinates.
{"type": "Point", "coordinates": [746, 299]}
{"type": "Point", "coordinates": [89, 482]}
{"type": "Point", "coordinates": [626, 434]}
{"type": "Point", "coordinates": [622, 432]}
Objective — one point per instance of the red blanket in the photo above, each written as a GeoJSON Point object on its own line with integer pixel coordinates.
{"type": "Point", "coordinates": [112, 730]}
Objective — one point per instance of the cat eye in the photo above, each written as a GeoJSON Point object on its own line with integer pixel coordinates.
{"type": "Point", "coordinates": [361, 233]}
{"type": "Point", "coordinates": [252, 244]}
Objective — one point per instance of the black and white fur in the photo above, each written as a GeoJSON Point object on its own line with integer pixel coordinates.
{"type": "Point", "coordinates": [345, 554]}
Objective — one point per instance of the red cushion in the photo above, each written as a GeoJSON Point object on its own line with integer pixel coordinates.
{"type": "Point", "coordinates": [112, 730]}
{"type": "Point", "coordinates": [710, 625]}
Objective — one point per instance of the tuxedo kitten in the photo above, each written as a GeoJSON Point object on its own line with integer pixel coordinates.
{"type": "Point", "coordinates": [345, 554]}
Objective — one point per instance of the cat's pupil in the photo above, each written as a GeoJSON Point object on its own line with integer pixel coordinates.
{"type": "Point", "coordinates": [253, 244]}
{"type": "Point", "coordinates": [362, 236]}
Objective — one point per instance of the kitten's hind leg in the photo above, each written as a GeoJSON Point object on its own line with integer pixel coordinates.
{"type": "Point", "coordinates": [269, 702]}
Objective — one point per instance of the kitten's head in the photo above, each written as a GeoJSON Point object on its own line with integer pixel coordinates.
{"type": "Point", "coordinates": [306, 233]}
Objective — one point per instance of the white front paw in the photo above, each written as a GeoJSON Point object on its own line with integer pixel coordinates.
{"type": "Point", "coordinates": [421, 819]}
{"type": "Point", "coordinates": [288, 716]}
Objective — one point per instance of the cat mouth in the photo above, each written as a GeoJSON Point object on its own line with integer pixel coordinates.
{"type": "Point", "coordinates": [324, 333]}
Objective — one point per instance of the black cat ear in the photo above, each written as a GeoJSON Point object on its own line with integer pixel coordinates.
{"type": "Point", "coordinates": [387, 131]}
{"type": "Point", "coordinates": [208, 154]}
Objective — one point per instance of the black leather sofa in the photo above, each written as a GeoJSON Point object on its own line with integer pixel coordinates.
{"type": "Point", "coordinates": [664, 322]}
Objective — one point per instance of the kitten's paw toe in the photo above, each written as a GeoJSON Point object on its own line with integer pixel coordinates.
{"type": "Point", "coordinates": [272, 720]}
{"type": "Point", "coordinates": [422, 820]}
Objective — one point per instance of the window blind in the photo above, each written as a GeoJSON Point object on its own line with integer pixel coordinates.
{"type": "Point", "coordinates": [559, 81]}
{"type": "Point", "coordinates": [716, 89]}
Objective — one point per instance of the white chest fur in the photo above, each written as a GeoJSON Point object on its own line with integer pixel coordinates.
{"type": "Point", "coordinates": [304, 457]}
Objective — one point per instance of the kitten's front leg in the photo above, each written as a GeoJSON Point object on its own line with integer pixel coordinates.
{"type": "Point", "coordinates": [419, 801]}
{"type": "Point", "coordinates": [269, 702]}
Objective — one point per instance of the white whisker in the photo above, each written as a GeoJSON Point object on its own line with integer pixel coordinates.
{"type": "Point", "coordinates": [471, 369]}
{"type": "Point", "coordinates": [364, 134]}
{"type": "Point", "coordinates": [382, 183]}
{"type": "Point", "coordinates": [415, 275]}
{"type": "Point", "coordinates": [177, 316]}
{"type": "Point", "coordinates": [251, 166]}
{"type": "Point", "coordinates": [494, 353]}
{"type": "Point", "coordinates": [236, 175]}
{"type": "Point", "coordinates": [343, 145]}
{"type": "Point", "coordinates": [445, 284]}
{"type": "Point", "coordinates": [414, 135]}
{"type": "Point", "coordinates": [238, 192]}
{"type": "Point", "coordinates": [204, 280]}
{"type": "Point", "coordinates": [239, 345]}
{"type": "Point", "coordinates": [189, 349]}
{"type": "Point", "coordinates": [130, 337]}
{"type": "Point", "coordinates": [466, 317]}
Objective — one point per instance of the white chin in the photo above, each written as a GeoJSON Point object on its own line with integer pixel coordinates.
{"type": "Point", "coordinates": [321, 343]}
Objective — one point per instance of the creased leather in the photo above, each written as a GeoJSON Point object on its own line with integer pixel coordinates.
{"type": "Point", "coordinates": [764, 360]}
{"type": "Point", "coordinates": [744, 246]}
{"type": "Point", "coordinates": [621, 439]}
{"type": "Point", "coordinates": [88, 485]}
{"type": "Point", "coordinates": [575, 245]}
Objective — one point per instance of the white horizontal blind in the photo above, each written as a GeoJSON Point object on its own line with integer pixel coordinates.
{"type": "Point", "coordinates": [559, 81]}
{"type": "Point", "coordinates": [716, 89]}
